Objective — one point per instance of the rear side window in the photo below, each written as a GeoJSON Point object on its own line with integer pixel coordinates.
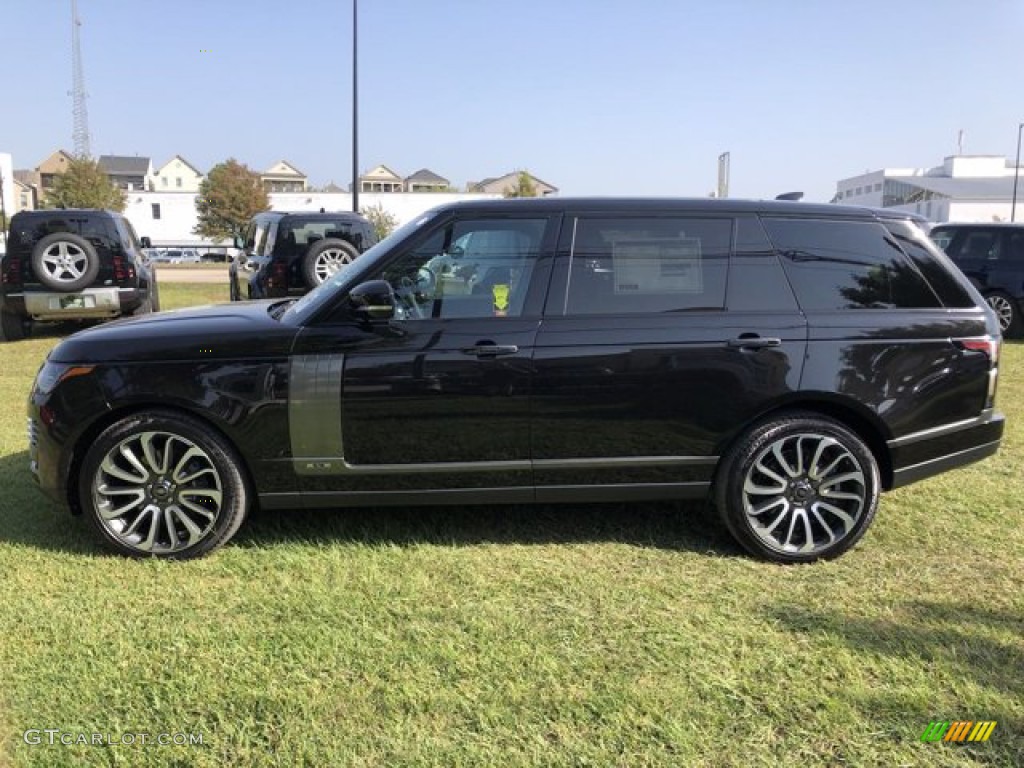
{"type": "Point", "coordinates": [933, 264]}
{"type": "Point", "coordinates": [648, 265]}
{"type": "Point", "coordinates": [756, 280]}
{"type": "Point", "coordinates": [847, 265]}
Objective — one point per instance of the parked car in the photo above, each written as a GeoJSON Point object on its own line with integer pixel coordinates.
{"type": "Point", "coordinates": [992, 257]}
{"type": "Point", "coordinates": [73, 264]}
{"type": "Point", "coordinates": [287, 254]}
{"type": "Point", "coordinates": [789, 361]}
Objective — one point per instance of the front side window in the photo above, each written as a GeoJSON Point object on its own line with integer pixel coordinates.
{"type": "Point", "coordinates": [468, 268]}
{"type": "Point", "coordinates": [648, 265]}
{"type": "Point", "coordinates": [847, 265]}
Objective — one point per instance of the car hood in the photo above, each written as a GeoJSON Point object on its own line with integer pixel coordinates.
{"type": "Point", "coordinates": [223, 331]}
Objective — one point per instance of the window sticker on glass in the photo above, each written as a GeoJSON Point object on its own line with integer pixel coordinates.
{"type": "Point", "coordinates": [664, 265]}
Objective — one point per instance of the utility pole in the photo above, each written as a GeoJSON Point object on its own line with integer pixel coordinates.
{"type": "Point", "coordinates": [355, 107]}
{"type": "Point", "coordinates": [79, 112]}
{"type": "Point", "coordinates": [1016, 176]}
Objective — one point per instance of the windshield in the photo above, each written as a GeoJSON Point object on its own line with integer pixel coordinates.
{"type": "Point", "coordinates": [324, 294]}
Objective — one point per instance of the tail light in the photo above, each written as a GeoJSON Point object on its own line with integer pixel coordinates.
{"type": "Point", "coordinates": [123, 270]}
{"type": "Point", "coordinates": [278, 277]}
{"type": "Point", "coordinates": [11, 274]}
{"type": "Point", "coordinates": [990, 346]}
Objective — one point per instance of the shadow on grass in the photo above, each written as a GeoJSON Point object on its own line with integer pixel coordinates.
{"type": "Point", "coordinates": [663, 525]}
{"type": "Point", "coordinates": [29, 518]}
{"type": "Point", "coordinates": [954, 641]}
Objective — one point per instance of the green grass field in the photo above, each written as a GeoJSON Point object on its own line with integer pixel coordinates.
{"type": "Point", "coordinates": [529, 636]}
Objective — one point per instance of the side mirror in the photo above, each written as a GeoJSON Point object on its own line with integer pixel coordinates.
{"type": "Point", "coordinates": [146, 242]}
{"type": "Point", "coordinates": [372, 300]}
{"type": "Point", "coordinates": [238, 241]}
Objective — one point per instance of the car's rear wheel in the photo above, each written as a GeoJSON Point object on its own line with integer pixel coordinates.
{"type": "Point", "coordinates": [65, 262]}
{"type": "Point", "coordinates": [325, 259]}
{"type": "Point", "coordinates": [162, 484]}
{"type": "Point", "coordinates": [13, 327]}
{"type": "Point", "coordinates": [1006, 312]}
{"type": "Point", "coordinates": [798, 488]}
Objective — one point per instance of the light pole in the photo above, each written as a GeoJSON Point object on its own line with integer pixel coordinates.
{"type": "Point", "coordinates": [355, 109]}
{"type": "Point", "coordinates": [1016, 176]}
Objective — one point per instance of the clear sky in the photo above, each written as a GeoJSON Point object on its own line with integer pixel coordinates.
{"type": "Point", "coordinates": [597, 97]}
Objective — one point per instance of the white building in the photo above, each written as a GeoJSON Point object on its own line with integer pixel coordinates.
{"type": "Point", "coordinates": [964, 188]}
{"type": "Point", "coordinates": [169, 217]}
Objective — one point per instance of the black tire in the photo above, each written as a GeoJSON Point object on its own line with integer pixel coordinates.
{"type": "Point", "coordinates": [184, 473]}
{"type": "Point", "coordinates": [1007, 313]}
{"type": "Point", "coordinates": [814, 481]}
{"type": "Point", "coordinates": [13, 327]}
{"type": "Point", "coordinates": [65, 262]}
{"type": "Point", "coordinates": [324, 258]}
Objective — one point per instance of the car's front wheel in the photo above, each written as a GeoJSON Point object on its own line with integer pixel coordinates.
{"type": "Point", "coordinates": [797, 488]}
{"type": "Point", "coordinates": [162, 484]}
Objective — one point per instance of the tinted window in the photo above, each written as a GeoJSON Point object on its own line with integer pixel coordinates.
{"type": "Point", "coordinates": [468, 268]}
{"type": "Point", "coordinates": [932, 263]}
{"type": "Point", "coordinates": [756, 279]}
{"type": "Point", "coordinates": [305, 231]}
{"type": "Point", "coordinates": [1015, 251]}
{"type": "Point", "coordinates": [977, 246]}
{"type": "Point", "coordinates": [648, 265]}
{"type": "Point", "coordinates": [847, 265]}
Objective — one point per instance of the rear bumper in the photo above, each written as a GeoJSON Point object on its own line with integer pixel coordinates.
{"type": "Point", "coordinates": [933, 451]}
{"type": "Point", "coordinates": [100, 303]}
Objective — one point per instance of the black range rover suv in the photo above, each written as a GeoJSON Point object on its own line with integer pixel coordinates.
{"type": "Point", "coordinates": [287, 254]}
{"type": "Point", "coordinates": [72, 264]}
{"type": "Point", "coordinates": [790, 361]}
{"type": "Point", "coordinates": [992, 257]}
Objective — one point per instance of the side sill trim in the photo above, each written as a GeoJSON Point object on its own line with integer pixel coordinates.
{"type": "Point", "coordinates": [329, 465]}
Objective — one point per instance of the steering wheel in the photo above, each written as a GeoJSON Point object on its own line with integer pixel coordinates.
{"type": "Point", "coordinates": [415, 291]}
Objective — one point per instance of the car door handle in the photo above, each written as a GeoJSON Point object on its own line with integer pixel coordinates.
{"type": "Point", "coordinates": [490, 350]}
{"type": "Point", "coordinates": [754, 342]}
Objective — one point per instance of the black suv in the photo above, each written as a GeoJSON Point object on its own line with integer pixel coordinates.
{"type": "Point", "coordinates": [992, 257]}
{"type": "Point", "coordinates": [789, 361]}
{"type": "Point", "coordinates": [287, 254]}
{"type": "Point", "coordinates": [72, 264]}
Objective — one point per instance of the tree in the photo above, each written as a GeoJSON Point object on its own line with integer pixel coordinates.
{"type": "Point", "coordinates": [524, 186]}
{"type": "Point", "coordinates": [85, 185]}
{"type": "Point", "coordinates": [384, 222]}
{"type": "Point", "coordinates": [229, 196]}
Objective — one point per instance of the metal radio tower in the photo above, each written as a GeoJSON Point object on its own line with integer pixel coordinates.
{"type": "Point", "coordinates": [80, 132]}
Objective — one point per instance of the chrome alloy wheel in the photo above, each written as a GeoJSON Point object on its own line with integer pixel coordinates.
{"type": "Point", "coordinates": [803, 493]}
{"type": "Point", "coordinates": [329, 262]}
{"type": "Point", "coordinates": [1003, 309]}
{"type": "Point", "coordinates": [157, 492]}
{"type": "Point", "coordinates": [65, 262]}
